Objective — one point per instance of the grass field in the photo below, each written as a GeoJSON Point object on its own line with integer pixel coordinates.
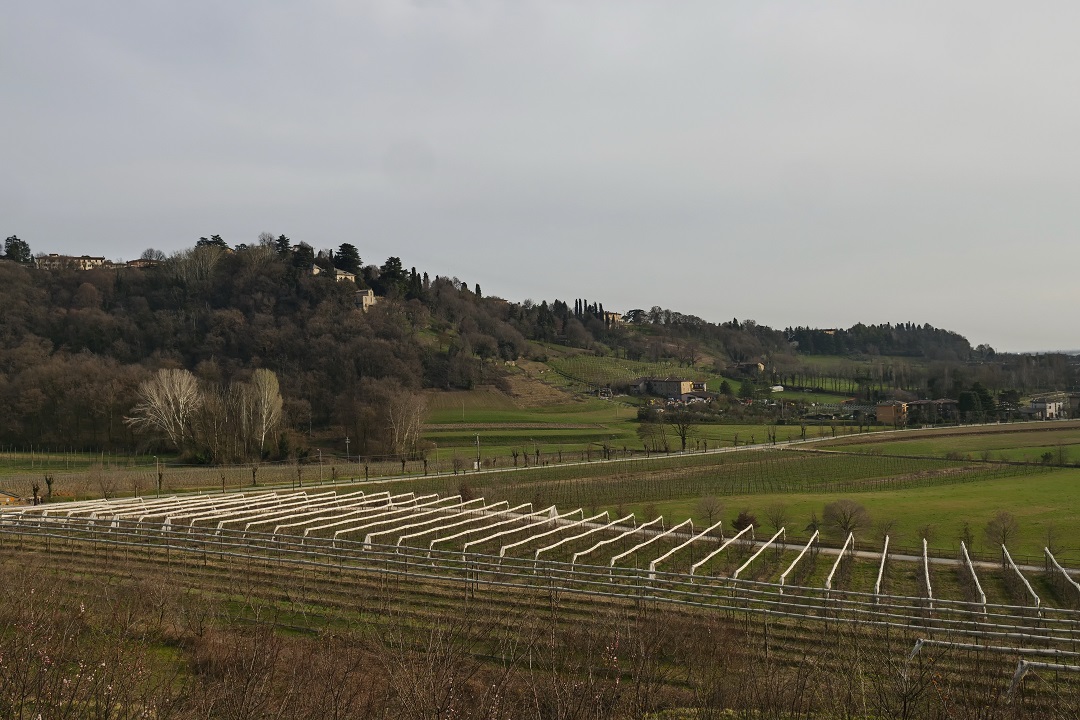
{"type": "Point", "coordinates": [915, 480]}
{"type": "Point", "coordinates": [21, 461]}
{"type": "Point", "coordinates": [573, 425]}
{"type": "Point", "coordinates": [1026, 443]}
{"type": "Point", "coordinates": [1040, 502]}
{"type": "Point", "coordinates": [610, 423]}
{"type": "Point", "coordinates": [820, 398]}
{"type": "Point", "coordinates": [590, 371]}
{"type": "Point", "coordinates": [450, 406]}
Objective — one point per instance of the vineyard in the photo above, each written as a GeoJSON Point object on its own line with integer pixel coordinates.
{"type": "Point", "coordinates": [419, 543]}
{"type": "Point", "coordinates": [596, 372]}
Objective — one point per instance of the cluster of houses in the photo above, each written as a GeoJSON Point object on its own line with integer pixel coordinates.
{"type": "Point", "coordinates": [917, 412]}
{"type": "Point", "coordinates": [55, 261]}
{"type": "Point", "coordinates": [680, 390]}
{"type": "Point", "coordinates": [365, 299]}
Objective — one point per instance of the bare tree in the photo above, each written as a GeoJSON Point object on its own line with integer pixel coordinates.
{"type": "Point", "coordinates": [845, 516]}
{"type": "Point", "coordinates": [167, 402]}
{"type": "Point", "coordinates": [885, 528]}
{"type": "Point", "coordinates": [689, 353]}
{"type": "Point", "coordinates": [243, 410]}
{"type": "Point", "coordinates": [928, 532]}
{"type": "Point", "coordinates": [1053, 539]}
{"type": "Point", "coordinates": [406, 412]}
{"type": "Point", "coordinates": [683, 424]}
{"type": "Point", "coordinates": [710, 508]}
{"type": "Point", "coordinates": [216, 427]}
{"type": "Point", "coordinates": [1000, 529]}
{"type": "Point", "coordinates": [777, 514]}
{"type": "Point", "coordinates": [967, 536]}
{"type": "Point", "coordinates": [194, 268]}
{"type": "Point", "coordinates": [266, 406]}
{"type": "Point", "coordinates": [653, 436]}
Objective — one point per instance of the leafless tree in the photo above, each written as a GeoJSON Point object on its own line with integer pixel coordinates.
{"type": "Point", "coordinates": [710, 507]}
{"type": "Point", "coordinates": [194, 268]}
{"type": "Point", "coordinates": [777, 514]}
{"type": "Point", "coordinates": [1001, 528]}
{"type": "Point", "coordinates": [928, 532]}
{"type": "Point", "coordinates": [689, 353]}
{"type": "Point", "coordinates": [222, 423]}
{"type": "Point", "coordinates": [167, 402]}
{"type": "Point", "coordinates": [683, 425]}
{"type": "Point", "coordinates": [967, 536]}
{"type": "Point", "coordinates": [267, 405]}
{"type": "Point", "coordinates": [653, 436]}
{"type": "Point", "coordinates": [1053, 539]}
{"type": "Point", "coordinates": [233, 422]}
{"type": "Point", "coordinates": [406, 411]}
{"type": "Point", "coordinates": [885, 528]}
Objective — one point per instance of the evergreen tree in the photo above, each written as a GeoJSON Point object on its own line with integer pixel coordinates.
{"type": "Point", "coordinates": [391, 276]}
{"type": "Point", "coordinates": [17, 250]}
{"type": "Point", "coordinates": [415, 290]}
{"type": "Point", "coordinates": [347, 258]}
{"type": "Point", "coordinates": [986, 400]}
{"type": "Point", "coordinates": [303, 256]}
{"type": "Point", "coordinates": [213, 240]}
{"type": "Point", "coordinates": [747, 391]}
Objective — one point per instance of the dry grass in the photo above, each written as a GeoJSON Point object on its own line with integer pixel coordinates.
{"type": "Point", "coordinates": [529, 391]}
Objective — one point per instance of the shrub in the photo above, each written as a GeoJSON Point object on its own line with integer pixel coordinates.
{"type": "Point", "coordinates": [745, 520]}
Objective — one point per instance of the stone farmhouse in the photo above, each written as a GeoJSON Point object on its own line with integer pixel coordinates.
{"type": "Point", "coordinates": [365, 299]}
{"type": "Point", "coordinates": [670, 387]}
{"type": "Point", "coordinates": [339, 275]}
{"type": "Point", "coordinates": [1046, 408]}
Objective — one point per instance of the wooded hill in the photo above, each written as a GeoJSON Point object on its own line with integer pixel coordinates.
{"type": "Point", "coordinates": [75, 345]}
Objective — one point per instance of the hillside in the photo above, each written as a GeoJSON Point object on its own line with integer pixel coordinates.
{"type": "Point", "coordinates": [75, 345]}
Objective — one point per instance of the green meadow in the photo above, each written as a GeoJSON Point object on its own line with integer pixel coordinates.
{"type": "Point", "coordinates": [1027, 442]}
{"type": "Point", "coordinates": [1042, 503]}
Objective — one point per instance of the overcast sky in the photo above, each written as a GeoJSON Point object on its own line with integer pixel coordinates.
{"type": "Point", "coordinates": [796, 163]}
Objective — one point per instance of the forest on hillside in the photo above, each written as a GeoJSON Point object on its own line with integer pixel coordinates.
{"type": "Point", "coordinates": [77, 347]}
